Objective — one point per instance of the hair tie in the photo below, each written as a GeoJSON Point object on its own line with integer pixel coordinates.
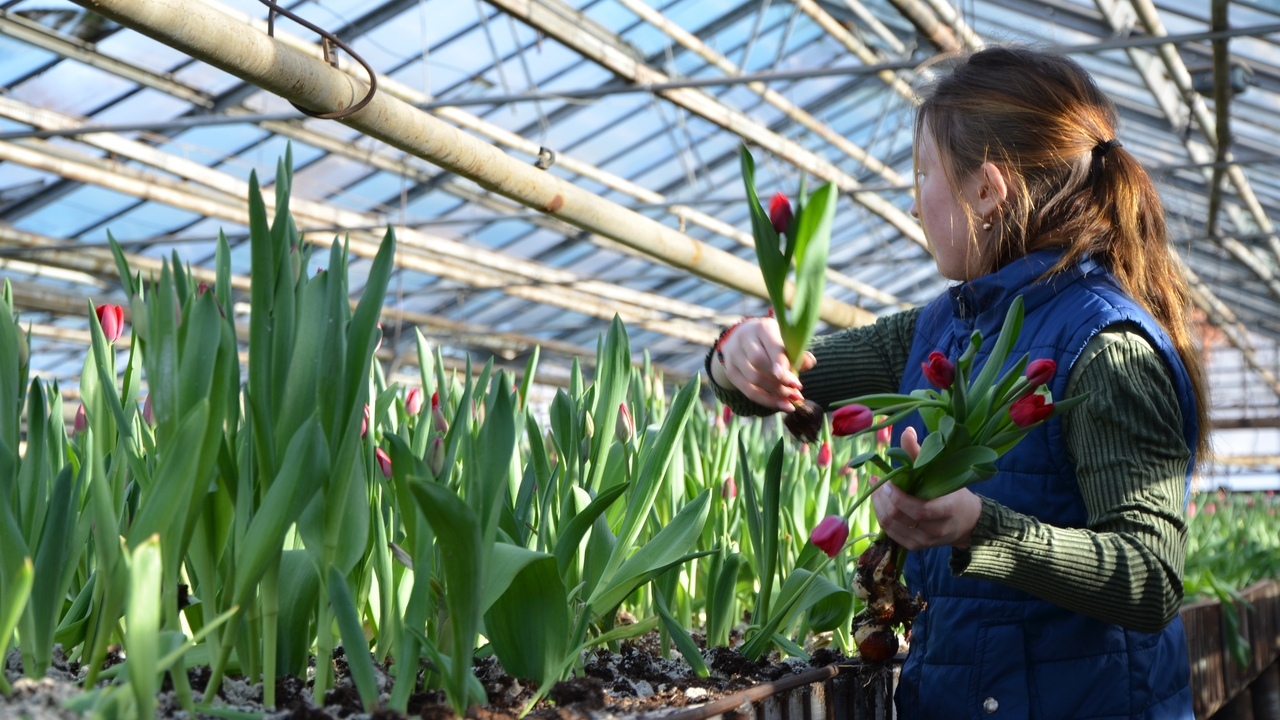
{"type": "Point", "coordinates": [1101, 149]}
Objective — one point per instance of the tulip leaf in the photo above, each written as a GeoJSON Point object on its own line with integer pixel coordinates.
{"type": "Point", "coordinates": [666, 546]}
{"type": "Point", "coordinates": [613, 375]}
{"type": "Point", "coordinates": [1000, 352]}
{"type": "Point", "coordinates": [142, 618]}
{"type": "Point", "coordinates": [528, 623]}
{"type": "Point", "coordinates": [811, 244]}
{"type": "Point", "coordinates": [571, 535]}
{"type": "Point", "coordinates": [683, 640]}
{"type": "Point", "coordinates": [773, 265]}
{"type": "Point", "coordinates": [359, 662]}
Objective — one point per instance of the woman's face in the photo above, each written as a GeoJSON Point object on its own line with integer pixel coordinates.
{"type": "Point", "coordinates": [946, 217]}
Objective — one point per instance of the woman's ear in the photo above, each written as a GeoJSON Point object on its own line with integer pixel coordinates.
{"type": "Point", "coordinates": [993, 190]}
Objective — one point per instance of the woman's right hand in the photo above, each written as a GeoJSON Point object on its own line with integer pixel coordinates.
{"type": "Point", "coordinates": [755, 362]}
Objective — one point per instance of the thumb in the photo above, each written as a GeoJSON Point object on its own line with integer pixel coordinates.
{"type": "Point", "coordinates": [910, 442]}
{"type": "Point", "coordinates": [807, 361]}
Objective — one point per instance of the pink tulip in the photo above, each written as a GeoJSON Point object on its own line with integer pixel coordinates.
{"type": "Point", "coordinates": [851, 419]}
{"type": "Point", "coordinates": [1210, 508]}
{"type": "Point", "coordinates": [824, 455]}
{"type": "Point", "coordinates": [111, 318]}
{"type": "Point", "coordinates": [81, 422]}
{"type": "Point", "coordinates": [364, 422]}
{"type": "Point", "coordinates": [830, 535]}
{"type": "Point", "coordinates": [729, 490]}
{"type": "Point", "coordinates": [884, 435]}
{"type": "Point", "coordinates": [435, 456]}
{"type": "Point", "coordinates": [1040, 372]}
{"type": "Point", "coordinates": [148, 412]}
{"type": "Point", "coordinates": [1030, 410]}
{"type": "Point", "coordinates": [780, 212]}
{"type": "Point", "coordinates": [625, 428]}
{"type": "Point", "coordinates": [413, 401]}
{"type": "Point", "coordinates": [202, 288]}
{"type": "Point", "coordinates": [938, 370]}
{"type": "Point", "coordinates": [384, 462]}
{"type": "Point", "coordinates": [1191, 510]}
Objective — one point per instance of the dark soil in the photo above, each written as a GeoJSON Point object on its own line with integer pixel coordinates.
{"type": "Point", "coordinates": [634, 681]}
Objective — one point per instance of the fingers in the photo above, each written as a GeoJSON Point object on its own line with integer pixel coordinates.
{"type": "Point", "coordinates": [756, 363]}
{"type": "Point", "coordinates": [807, 362]}
{"type": "Point", "coordinates": [917, 524]}
{"type": "Point", "coordinates": [910, 442]}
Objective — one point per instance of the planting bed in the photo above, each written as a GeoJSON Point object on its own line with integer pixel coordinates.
{"type": "Point", "coordinates": [633, 682]}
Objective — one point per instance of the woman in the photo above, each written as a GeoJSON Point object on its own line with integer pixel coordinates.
{"type": "Point", "coordinates": [1053, 588]}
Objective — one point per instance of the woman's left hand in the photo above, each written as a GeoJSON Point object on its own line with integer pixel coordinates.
{"type": "Point", "coordinates": [918, 524]}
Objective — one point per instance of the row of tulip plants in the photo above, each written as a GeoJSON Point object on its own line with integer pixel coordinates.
{"type": "Point", "coordinates": [252, 516]}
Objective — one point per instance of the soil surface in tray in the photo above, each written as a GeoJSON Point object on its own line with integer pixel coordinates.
{"type": "Point", "coordinates": [636, 680]}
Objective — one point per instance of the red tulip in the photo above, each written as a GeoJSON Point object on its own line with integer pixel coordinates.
{"type": "Point", "coordinates": [851, 419]}
{"type": "Point", "coordinates": [1029, 410]}
{"type": "Point", "coordinates": [729, 490]}
{"type": "Point", "coordinates": [1041, 371]}
{"type": "Point", "coordinates": [437, 415]}
{"type": "Point", "coordinates": [111, 317]}
{"type": "Point", "coordinates": [780, 212]}
{"type": "Point", "coordinates": [384, 462]}
{"type": "Point", "coordinates": [938, 370]}
{"type": "Point", "coordinates": [1210, 508]}
{"type": "Point", "coordinates": [202, 288]}
{"type": "Point", "coordinates": [830, 535]}
{"type": "Point", "coordinates": [726, 415]}
{"type": "Point", "coordinates": [82, 422]}
{"type": "Point", "coordinates": [413, 401]}
{"type": "Point", "coordinates": [824, 455]}
{"type": "Point", "coordinates": [364, 422]}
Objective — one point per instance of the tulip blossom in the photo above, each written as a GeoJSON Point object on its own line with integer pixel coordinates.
{"type": "Point", "coordinates": [1210, 508]}
{"type": "Point", "coordinates": [726, 415]}
{"type": "Point", "coordinates": [1191, 510]}
{"type": "Point", "coordinates": [780, 212]}
{"type": "Point", "coordinates": [851, 419]}
{"type": "Point", "coordinates": [1029, 410]}
{"type": "Point", "coordinates": [1040, 371]}
{"type": "Point", "coordinates": [729, 490]}
{"type": "Point", "coordinates": [384, 462]}
{"type": "Point", "coordinates": [111, 317]}
{"type": "Point", "coordinates": [938, 370]}
{"type": "Point", "coordinates": [364, 422]}
{"type": "Point", "coordinates": [413, 401]}
{"type": "Point", "coordinates": [82, 422]}
{"type": "Point", "coordinates": [824, 455]}
{"type": "Point", "coordinates": [148, 412]}
{"type": "Point", "coordinates": [830, 535]}
{"type": "Point", "coordinates": [625, 428]}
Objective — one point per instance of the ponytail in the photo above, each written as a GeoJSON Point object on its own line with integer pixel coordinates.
{"type": "Point", "coordinates": [1043, 121]}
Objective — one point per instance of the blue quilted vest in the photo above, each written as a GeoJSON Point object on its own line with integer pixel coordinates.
{"type": "Point", "coordinates": [982, 649]}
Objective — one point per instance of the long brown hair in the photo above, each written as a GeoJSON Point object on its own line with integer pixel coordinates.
{"type": "Point", "coordinates": [1042, 120]}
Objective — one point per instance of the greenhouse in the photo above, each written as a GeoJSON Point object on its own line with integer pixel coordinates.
{"type": "Point", "coordinates": [418, 358]}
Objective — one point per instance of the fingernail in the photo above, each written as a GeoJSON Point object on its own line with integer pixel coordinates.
{"type": "Point", "coordinates": [778, 371]}
{"type": "Point", "coordinates": [785, 406]}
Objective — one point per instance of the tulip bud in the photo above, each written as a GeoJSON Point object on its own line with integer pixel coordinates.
{"type": "Point", "coordinates": [1210, 508]}
{"type": "Point", "coordinates": [938, 370]}
{"type": "Point", "coordinates": [384, 462]}
{"type": "Point", "coordinates": [726, 415]}
{"type": "Point", "coordinates": [780, 212]}
{"type": "Point", "coordinates": [413, 401]}
{"type": "Point", "coordinates": [366, 420]}
{"type": "Point", "coordinates": [378, 347]}
{"type": "Point", "coordinates": [824, 455]}
{"type": "Point", "coordinates": [437, 415]}
{"type": "Point", "coordinates": [295, 263]}
{"type": "Point", "coordinates": [1029, 410]}
{"type": "Point", "coordinates": [851, 419]}
{"type": "Point", "coordinates": [830, 534]}
{"type": "Point", "coordinates": [477, 412]}
{"type": "Point", "coordinates": [435, 456]}
{"type": "Point", "coordinates": [148, 412]}
{"type": "Point", "coordinates": [625, 428]}
{"type": "Point", "coordinates": [729, 490]}
{"type": "Point", "coordinates": [111, 318]}
{"type": "Point", "coordinates": [202, 288]}
{"type": "Point", "coordinates": [588, 426]}
{"type": "Point", "coordinates": [24, 350]}
{"type": "Point", "coordinates": [1040, 372]}
{"type": "Point", "coordinates": [82, 421]}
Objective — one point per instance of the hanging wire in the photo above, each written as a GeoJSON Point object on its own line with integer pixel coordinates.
{"type": "Point", "coordinates": [327, 41]}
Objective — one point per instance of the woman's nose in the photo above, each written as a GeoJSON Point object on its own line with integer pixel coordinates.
{"type": "Point", "coordinates": [915, 213]}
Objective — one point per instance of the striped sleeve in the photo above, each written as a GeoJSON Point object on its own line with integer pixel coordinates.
{"type": "Point", "coordinates": [1125, 443]}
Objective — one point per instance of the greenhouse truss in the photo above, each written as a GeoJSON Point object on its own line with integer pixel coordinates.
{"type": "Point", "coordinates": [549, 164]}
